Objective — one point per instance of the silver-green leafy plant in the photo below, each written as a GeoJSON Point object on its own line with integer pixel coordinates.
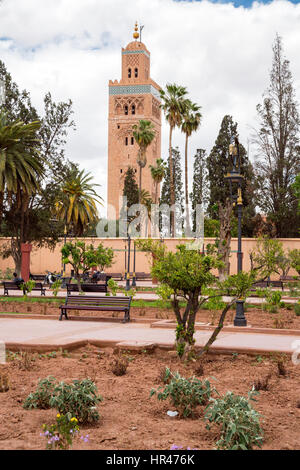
{"type": "Point", "coordinates": [185, 394]}
{"type": "Point", "coordinates": [79, 398]}
{"type": "Point", "coordinates": [239, 421]}
{"type": "Point", "coordinates": [41, 397]}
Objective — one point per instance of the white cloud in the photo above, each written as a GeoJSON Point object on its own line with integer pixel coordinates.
{"type": "Point", "coordinates": [222, 54]}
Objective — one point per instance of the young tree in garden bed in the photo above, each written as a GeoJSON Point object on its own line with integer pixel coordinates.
{"type": "Point", "coordinates": [188, 272]}
{"type": "Point", "coordinates": [266, 258]}
{"type": "Point", "coordinates": [82, 258]}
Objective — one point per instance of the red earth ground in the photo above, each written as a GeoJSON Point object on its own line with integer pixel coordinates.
{"type": "Point", "coordinates": [130, 419]}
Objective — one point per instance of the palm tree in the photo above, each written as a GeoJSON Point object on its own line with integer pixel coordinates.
{"type": "Point", "coordinates": [158, 173]}
{"type": "Point", "coordinates": [21, 167]}
{"type": "Point", "coordinates": [144, 133]}
{"type": "Point", "coordinates": [173, 105]}
{"type": "Point", "coordinates": [191, 123]}
{"type": "Point", "coordinates": [146, 200]}
{"type": "Point", "coordinates": [77, 205]}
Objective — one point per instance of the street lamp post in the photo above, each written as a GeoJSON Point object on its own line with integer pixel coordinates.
{"type": "Point", "coordinates": [127, 288]}
{"type": "Point", "coordinates": [235, 177]}
{"type": "Point", "coordinates": [133, 284]}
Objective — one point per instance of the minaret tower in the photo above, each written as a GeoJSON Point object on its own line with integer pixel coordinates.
{"type": "Point", "coordinates": [136, 96]}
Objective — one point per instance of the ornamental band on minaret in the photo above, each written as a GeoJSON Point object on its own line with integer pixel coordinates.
{"type": "Point", "coordinates": [136, 96]}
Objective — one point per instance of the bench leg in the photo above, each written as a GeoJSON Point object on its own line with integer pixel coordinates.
{"type": "Point", "coordinates": [43, 292]}
{"type": "Point", "coordinates": [126, 317]}
{"type": "Point", "coordinates": [63, 313]}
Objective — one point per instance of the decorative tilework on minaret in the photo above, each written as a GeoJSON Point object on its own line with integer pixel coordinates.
{"type": "Point", "coordinates": [134, 97]}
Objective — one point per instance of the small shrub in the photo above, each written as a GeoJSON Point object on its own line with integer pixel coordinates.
{"type": "Point", "coordinates": [185, 394]}
{"type": "Point", "coordinates": [297, 309]}
{"type": "Point", "coordinates": [41, 397]}
{"type": "Point", "coordinates": [26, 361]}
{"type": "Point", "coordinates": [199, 370]}
{"type": "Point", "coordinates": [240, 427]}
{"type": "Point", "coordinates": [55, 287]}
{"type": "Point", "coordinates": [164, 375]}
{"type": "Point", "coordinates": [78, 398]}
{"type": "Point", "coordinates": [119, 365]}
{"type": "Point", "coordinates": [262, 384]}
{"type": "Point", "coordinates": [113, 287]}
{"type": "Point", "coordinates": [282, 371]}
{"type": "Point", "coordinates": [4, 381]}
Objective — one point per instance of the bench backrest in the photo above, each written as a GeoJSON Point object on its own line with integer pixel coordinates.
{"type": "Point", "coordinates": [87, 287]}
{"type": "Point", "coordinates": [10, 284]}
{"type": "Point", "coordinates": [85, 301]}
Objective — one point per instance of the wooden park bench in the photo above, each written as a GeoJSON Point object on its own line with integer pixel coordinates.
{"type": "Point", "coordinates": [87, 288]}
{"type": "Point", "coordinates": [38, 277]}
{"type": "Point", "coordinates": [99, 304]}
{"type": "Point", "coordinates": [115, 276]}
{"type": "Point", "coordinates": [290, 278]}
{"type": "Point", "coordinates": [265, 284]}
{"type": "Point", "coordinates": [13, 286]}
{"type": "Point", "coordinates": [143, 277]}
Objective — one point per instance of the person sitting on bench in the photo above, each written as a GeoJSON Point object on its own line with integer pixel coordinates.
{"type": "Point", "coordinates": [19, 281]}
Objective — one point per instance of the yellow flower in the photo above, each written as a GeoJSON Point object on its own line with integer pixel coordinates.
{"type": "Point", "coordinates": [73, 420]}
{"type": "Point", "coordinates": [58, 415]}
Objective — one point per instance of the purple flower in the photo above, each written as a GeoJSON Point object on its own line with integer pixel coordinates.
{"type": "Point", "coordinates": [175, 447]}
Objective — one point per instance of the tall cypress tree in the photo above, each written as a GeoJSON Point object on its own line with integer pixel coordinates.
{"type": "Point", "coordinates": [178, 185]}
{"type": "Point", "coordinates": [278, 142]}
{"type": "Point", "coordinates": [130, 190]}
{"type": "Point", "coordinates": [218, 164]}
{"type": "Point", "coordinates": [199, 195]}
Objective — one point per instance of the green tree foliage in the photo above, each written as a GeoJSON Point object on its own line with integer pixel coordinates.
{"type": "Point", "coordinates": [174, 105]}
{"type": "Point", "coordinates": [266, 257]}
{"type": "Point", "coordinates": [38, 226]}
{"type": "Point", "coordinates": [178, 185]}
{"type": "Point", "coordinates": [144, 133]}
{"type": "Point", "coordinates": [191, 121]}
{"type": "Point", "coordinates": [199, 194]}
{"type": "Point", "coordinates": [278, 146]}
{"type": "Point", "coordinates": [76, 205]}
{"type": "Point", "coordinates": [296, 189]}
{"type": "Point", "coordinates": [188, 273]}
{"type": "Point", "coordinates": [83, 257]}
{"type": "Point", "coordinates": [218, 164]}
{"type": "Point", "coordinates": [158, 172]}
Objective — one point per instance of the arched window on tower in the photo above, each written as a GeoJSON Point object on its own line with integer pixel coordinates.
{"type": "Point", "coordinates": [132, 140]}
{"type": "Point", "coordinates": [136, 72]}
{"type": "Point", "coordinates": [126, 140]}
{"type": "Point", "coordinates": [133, 109]}
{"type": "Point", "coordinates": [126, 109]}
{"type": "Point", "coordinates": [129, 73]}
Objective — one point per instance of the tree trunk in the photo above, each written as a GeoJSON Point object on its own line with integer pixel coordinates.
{"type": "Point", "coordinates": [225, 213]}
{"type": "Point", "coordinates": [16, 254]}
{"type": "Point", "coordinates": [188, 226]}
{"type": "Point", "coordinates": [172, 189]}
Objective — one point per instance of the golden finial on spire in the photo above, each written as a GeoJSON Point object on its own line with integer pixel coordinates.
{"type": "Point", "coordinates": [136, 34]}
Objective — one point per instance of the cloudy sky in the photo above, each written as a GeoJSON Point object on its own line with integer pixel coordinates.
{"type": "Point", "coordinates": [221, 51]}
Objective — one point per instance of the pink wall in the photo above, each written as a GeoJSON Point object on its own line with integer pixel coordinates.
{"type": "Point", "coordinates": [43, 259]}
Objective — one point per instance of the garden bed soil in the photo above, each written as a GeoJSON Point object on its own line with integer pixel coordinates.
{"type": "Point", "coordinates": [256, 317]}
{"type": "Point", "coordinates": [130, 419]}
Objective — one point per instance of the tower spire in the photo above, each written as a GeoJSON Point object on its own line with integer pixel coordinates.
{"type": "Point", "coordinates": [136, 34]}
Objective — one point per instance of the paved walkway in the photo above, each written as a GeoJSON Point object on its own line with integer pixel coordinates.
{"type": "Point", "coordinates": [140, 296]}
{"type": "Point", "coordinates": [48, 335]}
